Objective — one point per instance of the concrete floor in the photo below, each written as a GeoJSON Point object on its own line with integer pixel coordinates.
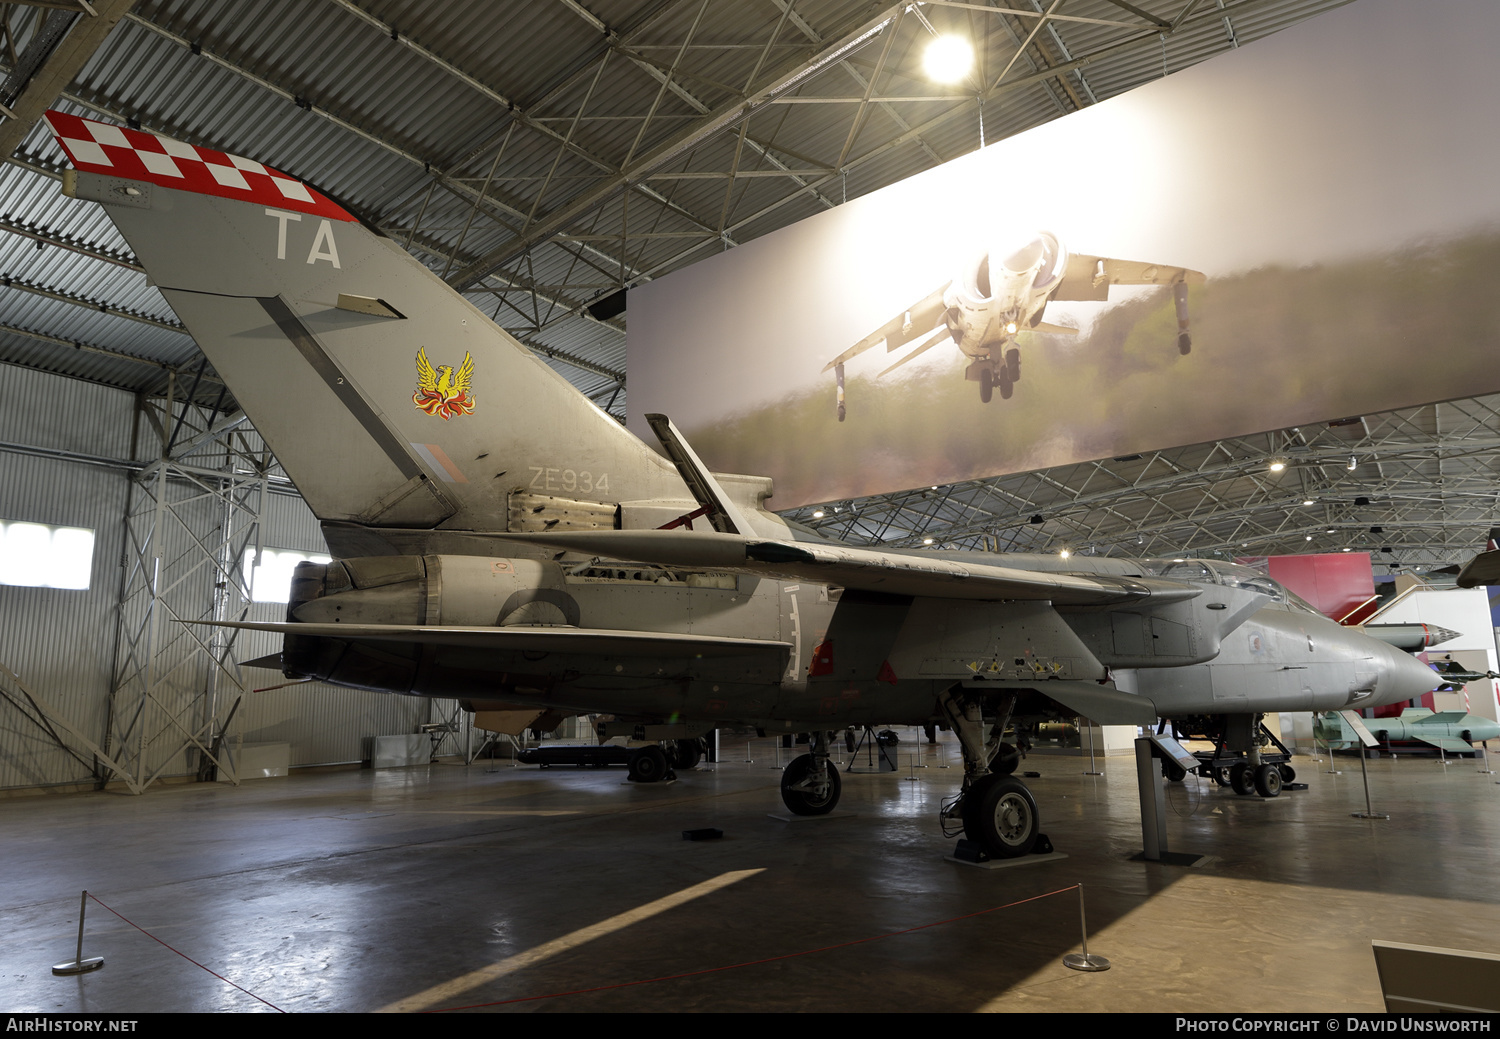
{"type": "Point", "coordinates": [451, 885]}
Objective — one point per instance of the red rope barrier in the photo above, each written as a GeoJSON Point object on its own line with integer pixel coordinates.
{"type": "Point", "coordinates": [194, 962]}
{"type": "Point", "coordinates": [753, 963]}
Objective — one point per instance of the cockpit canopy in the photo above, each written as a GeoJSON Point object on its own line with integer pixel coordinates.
{"type": "Point", "coordinates": [1229, 575]}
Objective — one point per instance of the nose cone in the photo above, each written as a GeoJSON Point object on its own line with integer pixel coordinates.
{"type": "Point", "coordinates": [1403, 677]}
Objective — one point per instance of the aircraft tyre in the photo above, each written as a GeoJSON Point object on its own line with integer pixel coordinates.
{"type": "Point", "coordinates": [1013, 364]}
{"type": "Point", "coordinates": [648, 765]}
{"type": "Point", "coordinates": [814, 801]}
{"type": "Point", "coordinates": [1268, 781]}
{"type": "Point", "coordinates": [686, 753]}
{"type": "Point", "coordinates": [1219, 775]}
{"type": "Point", "coordinates": [1000, 816]}
{"type": "Point", "coordinates": [841, 413]}
{"type": "Point", "coordinates": [1173, 771]}
{"type": "Point", "coordinates": [986, 385]}
{"type": "Point", "coordinates": [1242, 779]}
{"type": "Point", "coordinates": [1288, 773]}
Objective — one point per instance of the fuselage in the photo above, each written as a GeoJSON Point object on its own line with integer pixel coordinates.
{"type": "Point", "coordinates": [852, 657]}
{"type": "Point", "coordinates": [998, 295]}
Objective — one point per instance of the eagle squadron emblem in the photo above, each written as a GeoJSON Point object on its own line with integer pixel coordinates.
{"type": "Point", "coordinates": [440, 391]}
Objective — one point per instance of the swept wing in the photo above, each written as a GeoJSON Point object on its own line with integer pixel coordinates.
{"type": "Point", "coordinates": [848, 567]}
{"type": "Point", "coordinates": [526, 638]}
{"type": "Point", "coordinates": [917, 320]}
{"type": "Point", "coordinates": [1089, 277]}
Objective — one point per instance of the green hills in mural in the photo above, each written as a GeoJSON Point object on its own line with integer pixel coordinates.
{"type": "Point", "coordinates": [1272, 347]}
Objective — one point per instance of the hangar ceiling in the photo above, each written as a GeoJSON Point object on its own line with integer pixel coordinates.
{"type": "Point", "coordinates": [544, 156]}
{"type": "Point", "coordinates": [1415, 488]}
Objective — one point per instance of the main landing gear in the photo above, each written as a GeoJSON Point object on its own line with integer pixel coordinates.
{"type": "Point", "coordinates": [810, 785]}
{"type": "Point", "coordinates": [996, 370]}
{"type": "Point", "coordinates": [1246, 757]}
{"type": "Point", "coordinates": [995, 809]}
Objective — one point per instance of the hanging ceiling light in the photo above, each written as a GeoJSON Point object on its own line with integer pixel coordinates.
{"type": "Point", "coordinates": [1277, 465]}
{"type": "Point", "coordinates": [948, 59]}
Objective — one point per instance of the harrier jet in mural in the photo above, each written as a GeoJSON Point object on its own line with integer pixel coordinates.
{"type": "Point", "coordinates": [499, 539]}
{"type": "Point", "coordinates": [999, 295]}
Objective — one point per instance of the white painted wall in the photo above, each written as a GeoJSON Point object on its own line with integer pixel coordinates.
{"type": "Point", "coordinates": [1464, 610]}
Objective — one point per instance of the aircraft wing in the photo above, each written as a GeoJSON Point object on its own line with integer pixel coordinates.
{"type": "Point", "coordinates": [526, 638]}
{"type": "Point", "coordinates": [1089, 277]}
{"type": "Point", "coordinates": [918, 320]}
{"type": "Point", "coordinates": [898, 573]}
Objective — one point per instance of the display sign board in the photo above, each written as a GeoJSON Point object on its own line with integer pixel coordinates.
{"type": "Point", "coordinates": [1358, 725]}
{"type": "Point", "coordinates": [1292, 232]}
{"type": "Point", "coordinates": [1170, 748]}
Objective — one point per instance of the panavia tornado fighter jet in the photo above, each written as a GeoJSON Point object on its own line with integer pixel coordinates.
{"type": "Point", "coordinates": [999, 295]}
{"type": "Point", "coordinates": [499, 539]}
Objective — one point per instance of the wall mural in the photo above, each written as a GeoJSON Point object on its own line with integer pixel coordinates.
{"type": "Point", "coordinates": [1288, 233]}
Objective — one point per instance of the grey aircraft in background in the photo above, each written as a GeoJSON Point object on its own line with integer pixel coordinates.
{"type": "Point", "coordinates": [499, 539]}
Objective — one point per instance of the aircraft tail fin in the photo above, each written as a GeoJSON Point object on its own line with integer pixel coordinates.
{"type": "Point", "coordinates": [390, 400]}
{"type": "Point", "coordinates": [1482, 569]}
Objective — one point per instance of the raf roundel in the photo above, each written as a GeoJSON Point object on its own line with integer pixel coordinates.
{"type": "Point", "coordinates": [118, 151]}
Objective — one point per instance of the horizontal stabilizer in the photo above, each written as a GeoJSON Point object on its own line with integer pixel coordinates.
{"type": "Point", "coordinates": [896, 573]}
{"type": "Point", "coordinates": [939, 336]}
{"type": "Point", "coordinates": [526, 638]}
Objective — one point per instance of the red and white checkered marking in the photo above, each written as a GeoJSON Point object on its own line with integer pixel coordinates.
{"type": "Point", "coordinates": [137, 155]}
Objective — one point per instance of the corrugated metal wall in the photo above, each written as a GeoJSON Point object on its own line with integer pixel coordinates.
{"type": "Point", "coordinates": [60, 642]}
{"type": "Point", "coordinates": [55, 437]}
